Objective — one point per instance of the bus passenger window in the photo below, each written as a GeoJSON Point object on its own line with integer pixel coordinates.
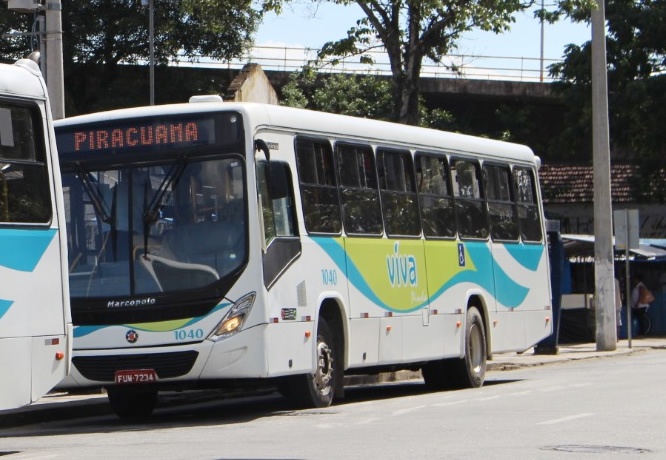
{"type": "Point", "coordinates": [501, 207]}
{"type": "Point", "coordinates": [470, 205]}
{"type": "Point", "coordinates": [529, 216]}
{"type": "Point", "coordinates": [437, 212]}
{"type": "Point", "coordinates": [398, 189]}
{"type": "Point", "coordinates": [358, 185]}
{"type": "Point", "coordinates": [319, 192]}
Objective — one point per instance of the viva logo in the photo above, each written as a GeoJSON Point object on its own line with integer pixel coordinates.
{"type": "Point", "coordinates": [401, 268]}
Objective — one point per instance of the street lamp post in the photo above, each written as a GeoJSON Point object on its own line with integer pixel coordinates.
{"type": "Point", "coordinates": [542, 43]}
{"type": "Point", "coordinates": [151, 40]}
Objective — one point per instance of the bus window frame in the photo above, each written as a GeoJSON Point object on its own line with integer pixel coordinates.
{"type": "Point", "coordinates": [336, 184]}
{"type": "Point", "coordinates": [449, 193]}
{"type": "Point", "coordinates": [382, 185]}
{"type": "Point", "coordinates": [507, 167]}
{"type": "Point", "coordinates": [371, 151]}
{"type": "Point", "coordinates": [462, 199]}
{"type": "Point", "coordinates": [40, 143]}
{"type": "Point", "coordinates": [536, 202]}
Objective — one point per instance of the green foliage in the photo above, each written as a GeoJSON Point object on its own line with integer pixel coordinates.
{"type": "Point", "coordinates": [361, 96]}
{"type": "Point", "coordinates": [636, 57]}
{"type": "Point", "coordinates": [112, 32]}
{"type": "Point", "coordinates": [366, 96]}
{"type": "Point", "coordinates": [411, 31]}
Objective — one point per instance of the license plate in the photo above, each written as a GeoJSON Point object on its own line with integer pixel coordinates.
{"type": "Point", "coordinates": [132, 376]}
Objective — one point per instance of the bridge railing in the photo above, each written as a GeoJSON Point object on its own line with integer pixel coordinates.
{"type": "Point", "coordinates": [468, 66]}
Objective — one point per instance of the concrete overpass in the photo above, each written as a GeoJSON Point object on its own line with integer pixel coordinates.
{"type": "Point", "coordinates": [439, 90]}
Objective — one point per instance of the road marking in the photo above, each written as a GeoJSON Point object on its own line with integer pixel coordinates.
{"type": "Point", "coordinates": [565, 419]}
{"type": "Point", "coordinates": [520, 393]}
{"type": "Point", "coordinates": [366, 421]}
{"type": "Point", "coordinates": [406, 411]}
{"type": "Point", "coordinates": [451, 403]}
{"type": "Point", "coordinates": [489, 398]}
{"type": "Point", "coordinates": [553, 388]}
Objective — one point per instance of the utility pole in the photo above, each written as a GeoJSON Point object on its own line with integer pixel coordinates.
{"type": "Point", "coordinates": [604, 278]}
{"type": "Point", "coordinates": [50, 48]}
{"type": "Point", "coordinates": [54, 73]}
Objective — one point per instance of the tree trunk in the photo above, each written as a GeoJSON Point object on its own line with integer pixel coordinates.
{"type": "Point", "coordinates": [408, 110]}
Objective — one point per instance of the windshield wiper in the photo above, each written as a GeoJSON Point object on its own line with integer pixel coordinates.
{"type": "Point", "coordinates": [95, 197]}
{"type": "Point", "coordinates": [152, 212]}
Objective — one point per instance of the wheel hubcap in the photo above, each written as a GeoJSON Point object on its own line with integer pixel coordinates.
{"type": "Point", "coordinates": [324, 374]}
{"type": "Point", "coordinates": [475, 351]}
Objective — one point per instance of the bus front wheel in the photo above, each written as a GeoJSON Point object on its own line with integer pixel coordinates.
{"type": "Point", "coordinates": [318, 389]}
{"type": "Point", "coordinates": [132, 404]}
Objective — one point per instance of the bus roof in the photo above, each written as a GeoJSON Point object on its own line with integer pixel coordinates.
{"type": "Point", "coordinates": [309, 122]}
{"type": "Point", "coordinates": [21, 79]}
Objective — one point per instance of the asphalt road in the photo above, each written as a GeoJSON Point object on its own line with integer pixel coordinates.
{"type": "Point", "coordinates": [585, 403]}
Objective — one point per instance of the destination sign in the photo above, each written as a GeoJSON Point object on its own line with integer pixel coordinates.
{"type": "Point", "coordinates": [148, 134]}
{"type": "Point", "coordinates": [133, 136]}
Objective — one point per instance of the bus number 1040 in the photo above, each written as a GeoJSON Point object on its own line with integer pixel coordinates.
{"type": "Point", "coordinates": [189, 334]}
{"type": "Point", "coordinates": [329, 277]}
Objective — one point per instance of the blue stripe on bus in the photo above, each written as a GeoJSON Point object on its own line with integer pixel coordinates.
{"type": "Point", "coordinates": [4, 306]}
{"type": "Point", "coordinates": [511, 295]}
{"type": "Point", "coordinates": [527, 255]}
{"type": "Point", "coordinates": [22, 249]}
{"type": "Point", "coordinates": [337, 253]}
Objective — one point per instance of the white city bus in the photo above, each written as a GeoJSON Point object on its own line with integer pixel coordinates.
{"type": "Point", "coordinates": [35, 323]}
{"type": "Point", "coordinates": [217, 242]}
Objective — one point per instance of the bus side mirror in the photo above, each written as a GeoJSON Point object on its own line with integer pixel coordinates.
{"type": "Point", "coordinates": [278, 183]}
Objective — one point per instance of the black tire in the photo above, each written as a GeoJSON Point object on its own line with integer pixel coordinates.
{"type": "Point", "coordinates": [470, 371]}
{"type": "Point", "coordinates": [318, 389]}
{"type": "Point", "coordinates": [132, 404]}
{"type": "Point", "coordinates": [466, 372]}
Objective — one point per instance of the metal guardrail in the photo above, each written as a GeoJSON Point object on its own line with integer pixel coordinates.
{"type": "Point", "coordinates": [465, 66]}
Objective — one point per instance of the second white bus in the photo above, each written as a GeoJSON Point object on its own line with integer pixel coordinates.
{"type": "Point", "coordinates": [35, 321]}
{"type": "Point", "coordinates": [233, 242]}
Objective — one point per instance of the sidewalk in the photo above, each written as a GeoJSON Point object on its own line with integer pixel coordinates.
{"type": "Point", "coordinates": [65, 406]}
{"type": "Point", "coordinates": [572, 352]}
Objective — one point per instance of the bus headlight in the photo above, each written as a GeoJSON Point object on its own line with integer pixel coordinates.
{"type": "Point", "coordinates": [235, 318]}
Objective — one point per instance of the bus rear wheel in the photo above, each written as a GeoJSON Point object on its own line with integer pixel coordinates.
{"type": "Point", "coordinates": [132, 404]}
{"type": "Point", "coordinates": [318, 389]}
{"type": "Point", "coordinates": [468, 371]}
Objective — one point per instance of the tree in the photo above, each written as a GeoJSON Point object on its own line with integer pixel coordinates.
{"type": "Point", "coordinates": [413, 30]}
{"type": "Point", "coordinates": [101, 34]}
{"type": "Point", "coordinates": [366, 96]}
{"type": "Point", "coordinates": [636, 55]}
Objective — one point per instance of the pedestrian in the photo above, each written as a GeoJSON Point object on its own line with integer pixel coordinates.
{"type": "Point", "coordinates": [641, 297]}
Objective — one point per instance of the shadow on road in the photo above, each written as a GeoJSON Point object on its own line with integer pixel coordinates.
{"type": "Point", "coordinates": [208, 408]}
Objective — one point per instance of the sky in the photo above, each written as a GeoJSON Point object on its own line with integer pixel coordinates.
{"type": "Point", "coordinates": [303, 24]}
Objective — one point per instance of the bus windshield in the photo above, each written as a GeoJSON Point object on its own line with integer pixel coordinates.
{"type": "Point", "coordinates": [147, 229]}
